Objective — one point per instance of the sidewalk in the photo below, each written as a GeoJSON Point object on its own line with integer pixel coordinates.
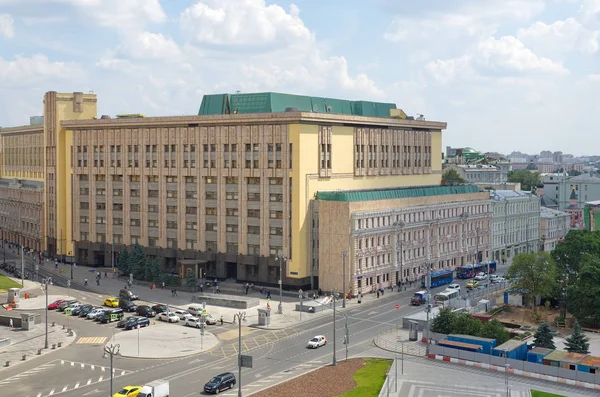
{"type": "Point", "coordinates": [27, 343]}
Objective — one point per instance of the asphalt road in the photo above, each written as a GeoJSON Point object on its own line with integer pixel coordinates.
{"type": "Point", "coordinates": [80, 369]}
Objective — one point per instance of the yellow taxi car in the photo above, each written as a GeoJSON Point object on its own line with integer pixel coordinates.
{"type": "Point", "coordinates": [129, 391]}
{"type": "Point", "coordinates": [111, 302]}
{"type": "Point", "coordinates": [472, 284]}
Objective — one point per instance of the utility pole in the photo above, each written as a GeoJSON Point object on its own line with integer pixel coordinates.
{"type": "Point", "coordinates": [280, 259]}
{"type": "Point", "coordinates": [344, 254]}
{"type": "Point", "coordinates": [46, 282]}
{"type": "Point", "coordinates": [334, 296]}
{"type": "Point", "coordinates": [239, 316]}
{"type": "Point", "coordinates": [22, 266]}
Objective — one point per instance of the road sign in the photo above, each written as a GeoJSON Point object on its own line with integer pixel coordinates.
{"type": "Point", "coordinates": [245, 361]}
{"type": "Point", "coordinates": [397, 306]}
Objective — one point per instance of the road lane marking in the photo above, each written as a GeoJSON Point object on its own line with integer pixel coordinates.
{"type": "Point", "coordinates": [88, 382]}
{"type": "Point", "coordinates": [51, 392]}
{"type": "Point", "coordinates": [100, 378]}
{"type": "Point", "coordinates": [65, 389]}
{"type": "Point", "coordinates": [76, 385]}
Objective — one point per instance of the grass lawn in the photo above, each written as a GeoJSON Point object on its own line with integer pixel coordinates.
{"type": "Point", "coordinates": [369, 379]}
{"type": "Point", "coordinates": [6, 283]}
{"type": "Point", "coordinates": [535, 393]}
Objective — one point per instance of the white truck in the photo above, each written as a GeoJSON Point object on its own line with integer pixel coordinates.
{"type": "Point", "coordinates": [157, 388]}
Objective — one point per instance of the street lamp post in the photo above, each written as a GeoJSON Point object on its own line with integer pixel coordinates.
{"type": "Point", "coordinates": [280, 259]}
{"type": "Point", "coordinates": [398, 227]}
{"type": "Point", "coordinates": [239, 316]}
{"type": "Point", "coordinates": [506, 368]}
{"type": "Point", "coordinates": [344, 254]}
{"type": "Point", "coordinates": [46, 282]}
{"type": "Point", "coordinates": [111, 350]}
{"type": "Point", "coordinates": [22, 266]}
{"type": "Point", "coordinates": [334, 295]}
{"type": "Point", "coordinates": [3, 247]}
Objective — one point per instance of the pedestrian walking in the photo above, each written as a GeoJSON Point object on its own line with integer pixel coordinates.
{"type": "Point", "coordinates": [218, 290]}
{"type": "Point", "coordinates": [85, 281]}
{"type": "Point", "coordinates": [247, 286]}
{"type": "Point", "coordinates": [98, 281]}
{"type": "Point", "coordinates": [163, 285]}
{"type": "Point", "coordinates": [105, 274]}
{"type": "Point", "coordinates": [201, 287]}
{"type": "Point", "coordinates": [10, 323]}
{"type": "Point", "coordinates": [175, 291]}
{"type": "Point", "coordinates": [377, 293]}
{"type": "Point", "coordinates": [268, 294]}
{"type": "Point", "coordinates": [172, 292]}
{"type": "Point", "coordinates": [221, 319]}
{"type": "Point", "coordinates": [153, 287]}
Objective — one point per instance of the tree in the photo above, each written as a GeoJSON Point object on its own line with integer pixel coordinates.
{"type": "Point", "coordinates": [442, 323]}
{"type": "Point", "coordinates": [577, 342]}
{"type": "Point", "coordinates": [155, 268]}
{"type": "Point", "coordinates": [526, 178]}
{"type": "Point", "coordinates": [464, 324]}
{"type": "Point", "coordinates": [534, 275]}
{"type": "Point", "coordinates": [543, 337]}
{"type": "Point", "coordinates": [569, 256]}
{"type": "Point", "coordinates": [494, 329]}
{"type": "Point", "coordinates": [451, 176]}
{"type": "Point", "coordinates": [137, 262]}
{"type": "Point", "coordinates": [123, 262]}
{"type": "Point", "coordinates": [583, 296]}
{"type": "Point", "coordinates": [190, 278]}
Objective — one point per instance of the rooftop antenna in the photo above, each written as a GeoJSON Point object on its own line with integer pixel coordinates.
{"type": "Point", "coordinates": [421, 117]}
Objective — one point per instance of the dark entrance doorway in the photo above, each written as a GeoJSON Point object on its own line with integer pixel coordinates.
{"type": "Point", "coordinates": [98, 258]}
{"type": "Point", "coordinates": [231, 268]}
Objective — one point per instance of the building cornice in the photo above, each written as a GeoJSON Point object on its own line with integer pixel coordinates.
{"type": "Point", "coordinates": [23, 129]}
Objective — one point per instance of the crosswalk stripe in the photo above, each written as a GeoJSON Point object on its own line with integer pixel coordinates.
{"type": "Point", "coordinates": [91, 340]}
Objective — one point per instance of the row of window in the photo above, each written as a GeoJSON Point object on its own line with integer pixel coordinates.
{"type": "Point", "coordinates": [188, 156]}
{"type": "Point", "coordinates": [229, 180]}
{"type": "Point", "coordinates": [153, 193]}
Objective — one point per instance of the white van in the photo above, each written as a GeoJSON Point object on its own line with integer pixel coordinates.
{"type": "Point", "coordinates": [196, 311]}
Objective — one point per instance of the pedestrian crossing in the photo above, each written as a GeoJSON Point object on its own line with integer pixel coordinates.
{"type": "Point", "coordinates": [91, 340]}
{"type": "Point", "coordinates": [249, 341]}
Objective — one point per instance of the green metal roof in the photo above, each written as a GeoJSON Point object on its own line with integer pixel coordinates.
{"type": "Point", "coordinates": [272, 102]}
{"type": "Point", "coordinates": [395, 193]}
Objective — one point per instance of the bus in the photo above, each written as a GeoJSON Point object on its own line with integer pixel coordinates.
{"type": "Point", "coordinates": [469, 271]}
{"type": "Point", "coordinates": [438, 278]}
{"type": "Point", "coordinates": [443, 298]}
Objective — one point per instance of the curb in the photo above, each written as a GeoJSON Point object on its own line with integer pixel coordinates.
{"type": "Point", "coordinates": [49, 351]}
{"type": "Point", "coordinates": [519, 372]}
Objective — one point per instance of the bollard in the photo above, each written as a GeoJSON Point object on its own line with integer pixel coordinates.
{"type": "Point", "coordinates": [59, 344]}
{"type": "Point", "coordinates": [53, 346]}
{"type": "Point", "coordinates": [53, 323]}
{"type": "Point", "coordinates": [64, 327]}
{"type": "Point", "coordinates": [7, 364]}
{"type": "Point", "coordinates": [70, 333]}
{"type": "Point", "coordinates": [39, 352]}
{"type": "Point", "coordinates": [69, 330]}
{"type": "Point", "coordinates": [24, 357]}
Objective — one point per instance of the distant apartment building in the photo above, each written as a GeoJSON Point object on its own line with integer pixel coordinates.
{"type": "Point", "coordinates": [479, 173]}
{"type": "Point", "coordinates": [558, 187]}
{"type": "Point", "coordinates": [554, 226]}
{"type": "Point", "coordinates": [515, 223]}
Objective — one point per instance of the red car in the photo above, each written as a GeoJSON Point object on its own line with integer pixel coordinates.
{"type": "Point", "coordinates": [54, 305]}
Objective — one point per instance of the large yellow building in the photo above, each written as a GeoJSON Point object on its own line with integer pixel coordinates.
{"type": "Point", "coordinates": [228, 192]}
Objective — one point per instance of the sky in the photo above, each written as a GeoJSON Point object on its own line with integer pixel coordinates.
{"type": "Point", "coordinates": [504, 74]}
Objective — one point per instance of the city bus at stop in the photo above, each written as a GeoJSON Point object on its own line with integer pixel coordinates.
{"type": "Point", "coordinates": [469, 271]}
{"type": "Point", "coordinates": [438, 278]}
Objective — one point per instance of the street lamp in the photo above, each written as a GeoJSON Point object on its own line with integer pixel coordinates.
{"type": "Point", "coordinates": [506, 368]}
{"type": "Point", "coordinates": [280, 259]}
{"type": "Point", "coordinates": [46, 282]}
{"type": "Point", "coordinates": [398, 227]}
{"type": "Point", "coordinates": [334, 296]}
{"type": "Point", "coordinates": [3, 247]}
{"type": "Point", "coordinates": [239, 316]}
{"type": "Point", "coordinates": [111, 350]}
{"type": "Point", "coordinates": [344, 254]}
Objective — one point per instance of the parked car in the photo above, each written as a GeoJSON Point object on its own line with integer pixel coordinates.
{"type": "Point", "coordinates": [54, 305]}
{"type": "Point", "coordinates": [86, 310]}
{"type": "Point", "coordinates": [209, 319]}
{"type": "Point", "coordinates": [111, 302]}
{"type": "Point", "coordinates": [168, 317]}
{"type": "Point", "coordinates": [317, 341]}
{"type": "Point", "coordinates": [77, 310]}
{"type": "Point", "coordinates": [127, 305]}
{"type": "Point", "coordinates": [494, 278]}
{"type": "Point", "coordinates": [193, 322]}
{"type": "Point", "coordinates": [220, 382]}
{"type": "Point", "coordinates": [182, 314]}
{"type": "Point", "coordinates": [137, 322]}
{"type": "Point", "coordinates": [159, 308]}
{"type": "Point", "coordinates": [94, 313]}
{"type": "Point", "coordinates": [145, 311]}
{"type": "Point", "coordinates": [128, 294]}
{"type": "Point", "coordinates": [66, 304]}
{"type": "Point", "coordinates": [454, 287]}
{"type": "Point", "coordinates": [121, 324]}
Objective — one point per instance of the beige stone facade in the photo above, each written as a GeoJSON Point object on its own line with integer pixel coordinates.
{"type": "Point", "coordinates": [21, 212]}
{"type": "Point", "coordinates": [397, 239]}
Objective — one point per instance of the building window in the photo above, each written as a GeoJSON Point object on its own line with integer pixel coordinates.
{"type": "Point", "coordinates": [211, 246]}
{"type": "Point", "coordinates": [231, 180]}
{"type": "Point", "coordinates": [134, 193]}
{"type": "Point", "coordinates": [134, 208]}
{"type": "Point", "coordinates": [275, 250]}
{"type": "Point", "coordinates": [153, 193]}
{"type": "Point", "coordinates": [191, 210]}
{"type": "Point", "coordinates": [171, 193]}
{"type": "Point", "coordinates": [84, 236]}
{"type": "Point", "coordinates": [171, 225]}
{"type": "Point", "coordinates": [211, 227]}
{"type": "Point", "coordinates": [191, 195]}
{"type": "Point", "coordinates": [135, 239]}
{"type": "Point", "coordinates": [253, 249]}
{"type": "Point", "coordinates": [232, 228]}
{"type": "Point", "coordinates": [117, 192]}
{"type": "Point", "coordinates": [100, 192]}
{"type": "Point", "coordinates": [253, 196]}
{"type": "Point", "coordinates": [153, 179]}
{"type": "Point", "coordinates": [191, 244]}
{"type": "Point", "coordinates": [231, 196]}
{"type": "Point", "coordinates": [276, 197]}
{"type": "Point", "coordinates": [171, 209]}
{"type": "Point", "coordinates": [211, 195]}
{"type": "Point", "coordinates": [117, 239]}
{"type": "Point", "coordinates": [171, 243]}
{"type": "Point", "coordinates": [191, 226]}
{"type": "Point", "coordinates": [100, 238]}
{"type": "Point", "coordinates": [84, 219]}
{"type": "Point", "coordinates": [210, 180]}
{"type": "Point", "coordinates": [84, 178]}
{"type": "Point", "coordinates": [254, 230]}
{"type": "Point", "coordinates": [134, 178]}
{"type": "Point", "coordinates": [276, 214]}
{"type": "Point", "coordinates": [84, 191]}
{"type": "Point", "coordinates": [232, 248]}
{"type": "Point", "coordinates": [134, 222]}
{"type": "Point", "coordinates": [100, 220]}
{"type": "Point", "coordinates": [171, 179]}
{"type": "Point", "coordinates": [253, 213]}
{"type": "Point", "coordinates": [117, 221]}
{"type": "Point", "coordinates": [211, 211]}
{"type": "Point", "coordinates": [253, 181]}
{"type": "Point", "coordinates": [153, 223]}
{"type": "Point", "coordinates": [276, 231]}
{"type": "Point", "coordinates": [84, 205]}
{"type": "Point", "coordinates": [153, 208]}
{"type": "Point", "coordinates": [101, 206]}
{"type": "Point", "coordinates": [152, 242]}
{"type": "Point", "coordinates": [232, 212]}
{"type": "Point", "coordinates": [275, 181]}
{"type": "Point", "coordinates": [190, 179]}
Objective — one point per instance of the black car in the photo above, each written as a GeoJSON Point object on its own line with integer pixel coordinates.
{"type": "Point", "coordinates": [85, 310]}
{"type": "Point", "coordinates": [159, 308]}
{"type": "Point", "coordinates": [111, 315]}
{"type": "Point", "coordinates": [78, 309]}
{"type": "Point", "coordinates": [220, 382]}
{"type": "Point", "coordinates": [137, 322]}
{"type": "Point", "coordinates": [127, 305]}
{"type": "Point", "coordinates": [145, 311]}
{"type": "Point", "coordinates": [121, 324]}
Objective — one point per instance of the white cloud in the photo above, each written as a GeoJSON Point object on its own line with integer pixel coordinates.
{"type": "Point", "coordinates": [594, 78]}
{"type": "Point", "coordinates": [115, 64]}
{"type": "Point", "coordinates": [450, 70]}
{"type": "Point", "coordinates": [560, 37]}
{"type": "Point", "coordinates": [248, 22]}
{"type": "Point", "coordinates": [150, 46]}
{"type": "Point", "coordinates": [6, 26]}
{"type": "Point", "coordinates": [590, 11]}
{"type": "Point", "coordinates": [510, 53]}
{"type": "Point", "coordinates": [477, 18]}
{"type": "Point", "coordinates": [35, 69]}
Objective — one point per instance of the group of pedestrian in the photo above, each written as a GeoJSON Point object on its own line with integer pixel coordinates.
{"type": "Point", "coordinates": [248, 287]}
{"type": "Point", "coordinates": [173, 292]}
